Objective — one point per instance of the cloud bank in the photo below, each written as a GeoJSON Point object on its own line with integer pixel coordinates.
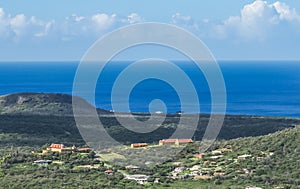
{"type": "Point", "coordinates": [257, 23]}
{"type": "Point", "coordinates": [18, 27]}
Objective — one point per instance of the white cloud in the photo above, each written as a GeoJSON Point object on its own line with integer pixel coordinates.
{"type": "Point", "coordinates": [17, 27]}
{"type": "Point", "coordinates": [181, 19]}
{"type": "Point", "coordinates": [285, 12]}
{"type": "Point", "coordinates": [78, 18]}
{"type": "Point", "coordinates": [104, 21]}
{"type": "Point", "coordinates": [134, 18]}
{"type": "Point", "coordinates": [4, 25]}
{"type": "Point", "coordinates": [256, 20]}
{"type": "Point", "coordinates": [186, 22]}
{"type": "Point", "coordinates": [47, 27]}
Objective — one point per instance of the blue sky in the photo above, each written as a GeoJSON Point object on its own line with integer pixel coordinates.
{"type": "Point", "coordinates": [232, 30]}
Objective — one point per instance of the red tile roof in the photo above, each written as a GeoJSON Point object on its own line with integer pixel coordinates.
{"type": "Point", "coordinates": [84, 149]}
{"type": "Point", "coordinates": [180, 141]}
{"type": "Point", "coordinates": [57, 146]}
{"type": "Point", "coordinates": [168, 140]}
{"type": "Point", "coordinates": [185, 140]}
{"type": "Point", "coordinates": [198, 155]}
{"type": "Point", "coordinates": [139, 144]}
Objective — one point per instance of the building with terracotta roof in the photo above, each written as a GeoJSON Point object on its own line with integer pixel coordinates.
{"type": "Point", "coordinates": [199, 156]}
{"type": "Point", "coordinates": [59, 148]}
{"type": "Point", "coordinates": [86, 150]}
{"type": "Point", "coordinates": [62, 148]}
{"type": "Point", "coordinates": [137, 145]}
{"type": "Point", "coordinates": [109, 172]}
{"type": "Point", "coordinates": [174, 141]}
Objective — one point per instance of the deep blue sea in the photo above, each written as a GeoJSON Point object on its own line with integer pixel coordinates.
{"type": "Point", "coordinates": [263, 88]}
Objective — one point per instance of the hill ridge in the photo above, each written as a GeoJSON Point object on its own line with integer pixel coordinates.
{"type": "Point", "coordinates": [39, 104]}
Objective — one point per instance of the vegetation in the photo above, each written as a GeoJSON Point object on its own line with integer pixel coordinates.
{"type": "Point", "coordinates": [273, 163]}
{"type": "Point", "coordinates": [271, 146]}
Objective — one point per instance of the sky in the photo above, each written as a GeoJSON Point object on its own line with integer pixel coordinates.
{"type": "Point", "coordinates": [63, 30]}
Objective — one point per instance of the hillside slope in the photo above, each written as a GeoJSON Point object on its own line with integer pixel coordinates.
{"type": "Point", "coordinates": [270, 161]}
{"type": "Point", "coordinates": [38, 104]}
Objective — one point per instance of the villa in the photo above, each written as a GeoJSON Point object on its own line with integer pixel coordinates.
{"type": "Point", "coordinates": [174, 141]}
{"type": "Point", "coordinates": [62, 148]}
{"type": "Point", "coordinates": [138, 145]}
{"type": "Point", "coordinates": [59, 148]}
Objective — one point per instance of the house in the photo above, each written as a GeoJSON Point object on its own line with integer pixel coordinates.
{"type": "Point", "coordinates": [219, 174]}
{"type": "Point", "coordinates": [109, 172]}
{"type": "Point", "coordinates": [195, 168]}
{"type": "Point", "coordinates": [132, 167]}
{"type": "Point", "coordinates": [194, 173]}
{"type": "Point", "coordinates": [60, 148]}
{"type": "Point", "coordinates": [245, 156]}
{"type": "Point", "coordinates": [177, 163]}
{"type": "Point", "coordinates": [42, 162]}
{"type": "Point", "coordinates": [203, 177]}
{"type": "Point", "coordinates": [83, 150]}
{"type": "Point", "coordinates": [138, 145]}
{"type": "Point", "coordinates": [259, 158]}
{"type": "Point", "coordinates": [199, 156]}
{"type": "Point", "coordinates": [214, 152]}
{"type": "Point", "coordinates": [174, 141]}
{"type": "Point", "coordinates": [88, 166]}
{"type": "Point", "coordinates": [167, 141]}
{"type": "Point", "coordinates": [225, 149]}
{"type": "Point", "coordinates": [216, 157]}
{"type": "Point", "coordinates": [246, 171]}
{"type": "Point", "coordinates": [179, 169]}
{"type": "Point", "coordinates": [141, 179]}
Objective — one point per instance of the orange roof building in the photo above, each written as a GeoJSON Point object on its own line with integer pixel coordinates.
{"type": "Point", "coordinates": [83, 149]}
{"type": "Point", "coordinates": [62, 148]}
{"type": "Point", "coordinates": [175, 141]}
{"type": "Point", "coordinates": [138, 145]}
{"type": "Point", "coordinates": [199, 156]}
{"type": "Point", "coordinates": [58, 148]}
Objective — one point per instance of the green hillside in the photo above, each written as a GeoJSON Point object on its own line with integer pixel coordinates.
{"type": "Point", "coordinates": [262, 151]}
{"type": "Point", "coordinates": [38, 104]}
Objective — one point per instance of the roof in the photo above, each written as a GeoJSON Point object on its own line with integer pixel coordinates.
{"type": "Point", "coordinates": [84, 149]}
{"type": "Point", "coordinates": [185, 140]}
{"type": "Point", "coordinates": [168, 140]}
{"type": "Point", "coordinates": [245, 156]}
{"type": "Point", "coordinates": [109, 171]}
{"type": "Point", "coordinates": [175, 140]}
{"type": "Point", "coordinates": [198, 155]}
{"type": "Point", "coordinates": [139, 144]}
{"type": "Point", "coordinates": [57, 146]}
{"type": "Point", "coordinates": [42, 161]}
{"type": "Point", "coordinates": [137, 177]}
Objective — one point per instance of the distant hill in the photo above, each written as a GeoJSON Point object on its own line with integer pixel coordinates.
{"type": "Point", "coordinates": [38, 104]}
{"type": "Point", "coordinates": [38, 118]}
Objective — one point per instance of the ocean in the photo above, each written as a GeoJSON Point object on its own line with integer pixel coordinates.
{"type": "Point", "coordinates": [260, 88]}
